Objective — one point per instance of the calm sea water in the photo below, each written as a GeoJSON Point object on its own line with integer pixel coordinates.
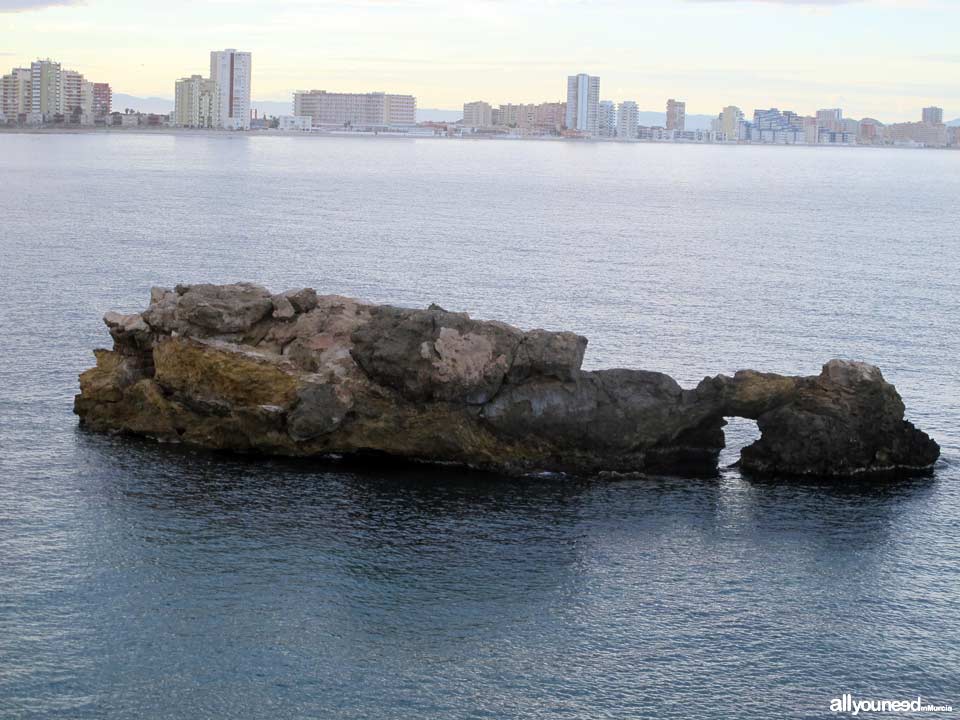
{"type": "Point", "coordinates": [151, 581]}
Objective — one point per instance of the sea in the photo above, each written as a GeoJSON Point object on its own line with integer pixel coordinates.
{"type": "Point", "coordinates": [140, 580]}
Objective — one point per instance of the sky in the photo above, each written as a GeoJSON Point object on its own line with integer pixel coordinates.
{"type": "Point", "coordinates": [874, 58]}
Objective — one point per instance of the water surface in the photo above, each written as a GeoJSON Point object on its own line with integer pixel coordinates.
{"type": "Point", "coordinates": [139, 580]}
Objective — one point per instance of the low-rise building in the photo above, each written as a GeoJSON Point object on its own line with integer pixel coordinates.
{"type": "Point", "coordinates": [294, 123]}
{"type": "Point", "coordinates": [531, 119]}
{"type": "Point", "coordinates": [655, 132]}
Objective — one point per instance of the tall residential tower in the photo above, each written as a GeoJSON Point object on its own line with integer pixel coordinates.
{"type": "Point", "coordinates": [583, 103]}
{"type": "Point", "coordinates": [628, 120]}
{"type": "Point", "coordinates": [933, 115]}
{"type": "Point", "coordinates": [676, 115]}
{"type": "Point", "coordinates": [607, 120]}
{"type": "Point", "coordinates": [230, 70]}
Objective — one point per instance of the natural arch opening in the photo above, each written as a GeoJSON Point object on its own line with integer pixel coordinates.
{"type": "Point", "coordinates": [738, 433]}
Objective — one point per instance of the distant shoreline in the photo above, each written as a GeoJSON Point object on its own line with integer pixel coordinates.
{"type": "Point", "coordinates": [401, 136]}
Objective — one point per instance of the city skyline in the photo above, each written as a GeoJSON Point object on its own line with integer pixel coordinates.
{"type": "Point", "coordinates": [425, 48]}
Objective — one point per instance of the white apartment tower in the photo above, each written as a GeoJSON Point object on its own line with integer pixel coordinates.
{"type": "Point", "coordinates": [230, 70]}
{"type": "Point", "coordinates": [45, 88]}
{"type": "Point", "coordinates": [71, 92]}
{"type": "Point", "coordinates": [628, 120]}
{"type": "Point", "coordinates": [607, 119]}
{"type": "Point", "coordinates": [583, 103]}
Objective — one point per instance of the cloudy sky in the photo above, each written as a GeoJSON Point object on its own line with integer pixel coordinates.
{"type": "Point", "coordinates": [877, 58]}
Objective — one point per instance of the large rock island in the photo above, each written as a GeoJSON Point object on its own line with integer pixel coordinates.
{"type": "Point", "coordinates": [235, 367]}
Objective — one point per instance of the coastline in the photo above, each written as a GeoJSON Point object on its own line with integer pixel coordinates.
{"type": "Point", "coordinates": [191, 132]}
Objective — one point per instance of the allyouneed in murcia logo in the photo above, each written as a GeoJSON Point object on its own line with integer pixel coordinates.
{"type": "Point", "coordinates": [847, 704]}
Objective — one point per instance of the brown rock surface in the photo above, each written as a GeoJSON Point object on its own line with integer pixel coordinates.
{"type": "Point", "coordinates": [236, 367]}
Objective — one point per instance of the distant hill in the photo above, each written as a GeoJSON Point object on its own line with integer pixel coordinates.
{"type": "Point", "coordinates": [161, 106]}
{"type": "Point", "coordinates": [647, 117]}
{"type": "Point", "coordinates": [435, 115]}
{"type": "Point", "coordinates": [651, 118]}
{"type": "Point", "coordinates": [272, 107]}
{"type": "Point", "coordinates": [122, 101]}
{"type": "Point", "coordinates": [954, 123]}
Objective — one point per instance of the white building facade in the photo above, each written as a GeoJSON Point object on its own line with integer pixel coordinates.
{"type": "Point", "coordinates": [628, 120]}
{"type": "Point", "coordinates": [607, 120]}
{"type": "Point", "coordinates": [477, 114]}
{"type": "Point", "coordinates": [355, 110]}
{"type": "Point", "coordinates": [231, 71]}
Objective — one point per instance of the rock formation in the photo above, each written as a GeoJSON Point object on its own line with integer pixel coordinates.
{"type": "Point", "coordinates": [235, 367]}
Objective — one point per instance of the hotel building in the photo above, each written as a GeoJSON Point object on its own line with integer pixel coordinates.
{"type": "Point", "coordinates": [477, 114]}
{"type": "Point", "coordinates": [355, 110]}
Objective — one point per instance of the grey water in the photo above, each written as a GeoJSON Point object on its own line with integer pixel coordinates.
{"type": "Point", "coordinates": [154, 581]}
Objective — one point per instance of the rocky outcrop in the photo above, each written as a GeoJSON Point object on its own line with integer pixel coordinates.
{"type": "Point", "coordinates": [235, 367]}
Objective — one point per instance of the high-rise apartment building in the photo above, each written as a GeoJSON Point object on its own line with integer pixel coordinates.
{"type": "Point", "coordinates": [197, 103]}
{"type": "Point", "coordinates": [477, 114]}
{"type": "Point", "coordinates": [773, 126]}
{"type": "Point", "coordinates": [71, 93]}
{"type": "Point", "coordinates": [511, 115]}
{"type": "Point", "coordinates": [676, 115]}
{"type": "Point", "coordinates": [607, 119]}
{"type": "Point", "coordinates": [830, 119]}
{"type": "Point", "coordinates": [102, 99]}
{"type": "Point", "coordinates": [731, 123]}
{"type": "Point", "coordinates": [399, 109]}
{"type": "Point", "coordinates": [45, 92]}
{"type": "Point", "coordinates": [628, 120]}
{"type": "Point", "coordinates": [933, 115]}
{"type": "Point", "coordinates": [360, 110]}
{"type": "Point", "coordinates": [548, 117]}
{"type": "Point", "coordinates": [45, 89]}
{"type": "Point", "coordinates": [583, 104]}
{"type": "Point", "coordinates": [15, 93]}
{"type": "Point", "coordinates": [231, 70]}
